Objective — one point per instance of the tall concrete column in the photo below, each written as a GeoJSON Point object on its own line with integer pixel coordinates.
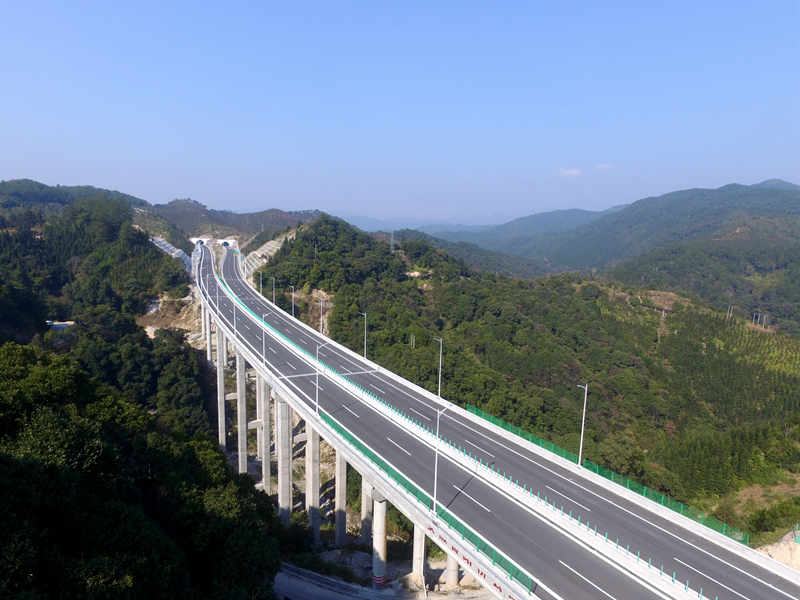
{"type": "Point", "coordinates": [283, 446]}
{"type": "Point", "coordinates": [263, 410]}
{"type": "Point", "coordinates": [379, 542]}
{"type": "Point", "coordinates": [312, 479]}
{"type": "Point", "coordinates": [208, 335]}
{"type": "Point", "coordinates": [202, 318]}
{"type": "Point", "coordinates": [366, 511]}
{"type": "Point", "coordinates": [340, 508]}
{"type": "Point", "coordinates": [260, 384]}
{"type": "Point", "coordinates": [222, 358]}
{"type": "Point", "coordinates": [241, 411]}
{"type": "Point", "coordinates": [451, 572]}
{"type": "Point", "coordinates": [418, 562]}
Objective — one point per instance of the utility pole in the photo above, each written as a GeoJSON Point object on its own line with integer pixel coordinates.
{"type": "Point", "coordinates": [583, 422]}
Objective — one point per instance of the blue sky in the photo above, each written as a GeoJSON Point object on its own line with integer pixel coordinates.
{"type": "Point", "coordinates": [452, 110]}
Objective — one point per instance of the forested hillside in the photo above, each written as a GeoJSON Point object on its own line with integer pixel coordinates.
{"type": "Point", "coordinates": [110, 483]}
{"type": "Point", "coordinates": [689, 403]}
{"type": "Point", "coordinates": [475, 256]}
{"type": "Point", "coordinates": [550, 222]}
{"type": "Point", "coordinates": [654, 223]}
{"type": "Point", "coordinates": [196, 219]}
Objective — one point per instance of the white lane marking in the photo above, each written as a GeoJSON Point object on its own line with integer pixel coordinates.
{"type": "Point", "coordinates": [303, 341]}
{"type": "Point", "coordinates": [399, 446]}
{"type": "Point", "coordinates": [271, 348]}
{"type": "Point", "coordinates": [479, 448]}
{"type": "Point", "coordinates": [711, 578]}
{"type": "Point", "coordinates": [419, 413]}
{"type": "Point", "coordinates": [291, 365]}
{"type": "Point", "coordinates": [246, 325]}
{"type": "Point", "coordinates": [527, 458]}
{"type": "Point", "coordinates": [568, 498]}
{"type": "Point", "coordinates": [350, 411]}
{"type": "Point", "coordinates": [377, 388]}
{"type": "Point", "coordinates": [321, 354]}
{"type": "Point", "coordinates": [592, 583]}
{"type": "Point", "coordinates": [461, 491]}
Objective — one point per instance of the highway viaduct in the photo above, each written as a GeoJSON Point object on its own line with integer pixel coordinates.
{"type": "Point", "coordinates": [523, 522]}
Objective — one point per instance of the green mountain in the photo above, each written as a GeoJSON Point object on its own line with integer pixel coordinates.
{"type": "Point", "coordinates": [653, 223]}
{"type": "Point", "coordinates": [690, 403]}
{"type": "Point", "coordinates": [196, 219]}
{"type": "Point", "coordinates": [32, 194]}
{"type": "Point", "coordinates": [476, 256]}
{"type": "Point", "coordinates": [496, 237]}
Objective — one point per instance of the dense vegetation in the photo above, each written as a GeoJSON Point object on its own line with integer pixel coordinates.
{"type": "Point", "coordinates": [690, 403]}
{"type": "Point", "coordinates": [550, 222]}
{"type": "Point", "coordinates": [752, 271]}
{"type": "Point", "coordinates": [480, 258]}
{"type": "Point", "coordinates": [196, 219]}
{"type": "Point", "coordinates": [111, 486]}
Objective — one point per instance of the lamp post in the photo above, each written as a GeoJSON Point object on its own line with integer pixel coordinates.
{"type": "Point", "coordinates": [440, 365]}
{"type": "Point", "coordinates": [365, 332]}
{"type": "Point", "coordinates": [291, 286]}
{"type": "Point", "coordinates": [583, 422]}
{"type": "Point", "coordinates": [436, 461]}
{"type": "Point", "coordinates": [317, 398]}
{"type": "Point", "coordinates": [273, 289]}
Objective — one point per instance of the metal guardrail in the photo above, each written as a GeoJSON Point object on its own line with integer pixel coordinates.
{"type": "Point", "coordinates": [695, 515]}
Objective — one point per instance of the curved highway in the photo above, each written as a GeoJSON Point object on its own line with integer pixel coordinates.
{"type": "Point", "coordinates": [565, 567]}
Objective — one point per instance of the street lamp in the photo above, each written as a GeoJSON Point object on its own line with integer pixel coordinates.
{"type": "Point", "coordinates": [317, 398]}
{"type": "Point", "coordinates": [365, 332]}
{"type": "Point", "coordinates": [291, 286]}
{"type": "Point", "coordinates": [436, 461]}
{"type": "Point", "coordinates": [440, 365]}
{"type": "Point", "coordinates": [583, 421]}
{"type": "Point", "coordinates": [273, 289]}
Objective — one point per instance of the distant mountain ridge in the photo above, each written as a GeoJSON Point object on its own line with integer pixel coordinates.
{"type": "Point", "coordinates": [552, 221]}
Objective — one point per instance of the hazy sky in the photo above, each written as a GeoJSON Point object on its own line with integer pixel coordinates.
{"type": "Point", "coordinates": [449, 109]}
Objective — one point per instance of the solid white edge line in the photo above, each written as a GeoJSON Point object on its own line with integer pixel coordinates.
{"type": "Point", "coordinates": [568, 498]}
{"type": "Point", "coordinates": [676, 559]}
{"type": "Point", "coordinates": [399, 446]}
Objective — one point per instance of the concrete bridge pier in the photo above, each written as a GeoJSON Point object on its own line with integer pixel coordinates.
{"type": "Point", "coordinates": [451, 572]}
{"type": "Point", "coordinates": [379, 541]}
{"type": "Point", "coordinates": [241, 411]}
{"type": "Point", "coordinates": [203, 313]}
{"type": "Point", "coordinates": [207, 321]}
{"type": "Point", "coordinates": [312, 479]}
{"type": "Point", "coordinates": [366, 511]}
{"type": "Point", "coordinates": [340, 508]}
{"type": "Point", "coordinates": [283, 447]}
{"type": "Point", "coordinates": [222, 359]}
{"type": "Point", "coordinates": [418, 561]}
{"type": "Point", "coordinates": [263, 430]}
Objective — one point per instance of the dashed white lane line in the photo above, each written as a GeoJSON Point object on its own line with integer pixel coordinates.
{"type": "Point", "coordinates": [461, 491]}
{"type": "Point", "coordinates": [321, 354]}
{"type": "Point", "coordinates": [399, 446]}
{"type": "Point", "coordinates": [568, 498]}
{"type": "Point", "coordinates": [291, 365]}
{"type": "Point", "coordinates": [711, 578]}
{"type": "Point", "coordinates": [271, 348]}
{"type": "Point", "coordinates": [592, 583]}
{"type": "Point", "coordinates": [419, 413]}
{"type": "Point", "coordinates": [377, 388]}
{"type": "Point", "coordinates": [479, 448]}
{"type": "Point", "coordinates": [350, 411]}
{"type": "Point", "coordinates": [303, 341]}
